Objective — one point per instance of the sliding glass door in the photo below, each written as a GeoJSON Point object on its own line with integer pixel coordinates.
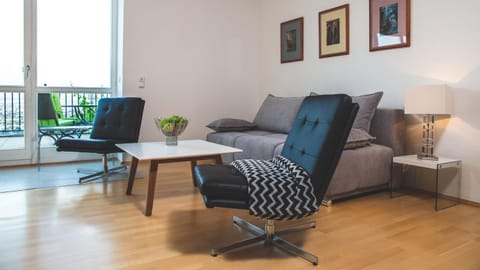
{"type": "Point", "coordinates": [15, 30]}
{"type": "Point", "coordinates": [65, 48]}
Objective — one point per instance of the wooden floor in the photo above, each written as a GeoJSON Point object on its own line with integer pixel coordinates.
{"type": "Point", "coordinates": [96, 226]}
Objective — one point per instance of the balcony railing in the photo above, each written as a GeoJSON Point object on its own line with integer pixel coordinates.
{"type": "Point", "coordinates": [12, 114]}
{"type": "Point", "coordinates": [12, 118]}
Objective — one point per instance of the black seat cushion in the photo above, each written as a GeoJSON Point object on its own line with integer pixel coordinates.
{"type": "Point", "coordinates": [100, 146]}
{"type": "Point", "coordinates": [222, 186]}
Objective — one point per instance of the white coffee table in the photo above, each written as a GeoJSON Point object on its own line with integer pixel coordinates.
{"type": "Point", "coordinates": [159, 152]}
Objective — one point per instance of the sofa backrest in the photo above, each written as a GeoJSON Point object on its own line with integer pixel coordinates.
{"type": "Point", "coordinates": [388, 126]}
{"type": "Point", "coordinates": [277, 114]}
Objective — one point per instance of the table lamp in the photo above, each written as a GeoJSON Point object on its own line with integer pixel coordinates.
{"type": "Point", "coordinates": [428, 100]}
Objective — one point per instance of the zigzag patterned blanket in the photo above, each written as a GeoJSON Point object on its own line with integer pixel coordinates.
{"type": "Point", "coordinates": [279, 189]}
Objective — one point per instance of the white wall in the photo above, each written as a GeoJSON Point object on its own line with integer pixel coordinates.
{"type": "Point", "coordinates": [445, 42]}
{"type": "Point", "coordinates": [207, 59]}
{"type": "Point", "coordinates": [200, 59]}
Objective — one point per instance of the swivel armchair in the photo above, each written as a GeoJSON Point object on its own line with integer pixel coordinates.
{"type": "Point", "coordinates": [315, 143]}
{"type": "Point", "coordinates": [117, 120]}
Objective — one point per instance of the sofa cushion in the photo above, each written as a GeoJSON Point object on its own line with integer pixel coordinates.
{"type": "Point", "coordinates": [368, 104]}
{"type": "Point", "coordinates": [258, 147]}
{"type": "Point", "coordinates": [277, 114]}
{"type": "Point", "coordinates": [358, 138]}
{"type": "Point", "coordinates": [230, 124]}
{"type": "Point", "coordinates": [229, 138]}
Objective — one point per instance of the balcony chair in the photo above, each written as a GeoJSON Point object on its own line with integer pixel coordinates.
{"type": "Point", "coordinates": [314, 143]}
{"type": "Point", "coordinates": [117, 120]}
{"type": "Point", "coordinates": [52, 122]}
{"type": "Point", "coordinates": [50, 112]}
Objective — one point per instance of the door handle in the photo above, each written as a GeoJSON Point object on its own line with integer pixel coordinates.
{"type": "Point", "coordinates": [27, 72]}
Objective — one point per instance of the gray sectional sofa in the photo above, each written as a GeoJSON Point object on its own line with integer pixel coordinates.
{"type": "Point", "coordinates": [365, 163]}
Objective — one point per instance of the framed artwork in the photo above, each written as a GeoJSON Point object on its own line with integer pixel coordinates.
{"type": "Point", "coordinates": [333, 27]}
{"type": "Point", "coordinates": [389, 24]}
{"type": "Point", "coordinates": [291, 40]}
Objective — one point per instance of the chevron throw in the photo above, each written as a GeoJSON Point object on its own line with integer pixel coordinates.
{"type": "Point", "coordinates": [278, 189]}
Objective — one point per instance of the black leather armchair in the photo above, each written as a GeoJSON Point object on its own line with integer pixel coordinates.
{"type": "Point", "coordinates": [117, 120]}
{"type": "Point", "coordinates": [315, 142]}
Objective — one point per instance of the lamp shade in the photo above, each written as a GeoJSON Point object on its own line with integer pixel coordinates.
{"type": "Point", "coordinates": [428, 99]}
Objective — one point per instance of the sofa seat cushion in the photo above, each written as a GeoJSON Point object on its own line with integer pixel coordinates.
{"type": "Point", "coordinates": [229, 138]}
{"type": "Point", "coordinates": [360, 168]}
{"type": "Point", "coordinates": [259, 147]}
{"type": "Point", "coordinates": [256, 144]}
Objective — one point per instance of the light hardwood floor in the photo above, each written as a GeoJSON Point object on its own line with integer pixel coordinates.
{"type": "Point", "coordinates": [96, 226]}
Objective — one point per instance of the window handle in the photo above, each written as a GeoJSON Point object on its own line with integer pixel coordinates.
{"type": "Point", "coordinates": [27, 72]}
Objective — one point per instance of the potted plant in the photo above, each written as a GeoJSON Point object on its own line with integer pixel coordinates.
{"type": "Point", "coordinates": [171, 127]}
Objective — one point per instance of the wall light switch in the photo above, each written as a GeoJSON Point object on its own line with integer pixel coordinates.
{"type": "Point", "coordinates": [141, 81]}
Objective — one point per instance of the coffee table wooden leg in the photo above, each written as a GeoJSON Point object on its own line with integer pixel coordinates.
{"type": "Point", "coordinates": [152, 179]}
{"type": "Point", "coordinates": [193, 163]}
{"type": "Point", "coordinates": [218, 159]}
{"type": "Point", "coordinates": [131, 175]}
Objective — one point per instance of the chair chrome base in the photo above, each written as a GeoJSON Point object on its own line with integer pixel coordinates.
{"type": "Point", "coordinates": [106, 171]}
{"type": "Point", "coordinates": [269, 236]}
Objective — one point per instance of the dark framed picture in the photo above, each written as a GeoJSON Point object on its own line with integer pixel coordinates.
{"type": "Point", "coordinates": [333, 27]}
{"type": "Point", "coordinates": [389, 24]}
{"type": "Point", "coordinates": [291, 40]}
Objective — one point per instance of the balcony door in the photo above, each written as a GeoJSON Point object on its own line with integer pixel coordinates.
{"type": "Point", "coordinates": [15, 80]}
{"type": "Point", "coordinates": [64, 47]}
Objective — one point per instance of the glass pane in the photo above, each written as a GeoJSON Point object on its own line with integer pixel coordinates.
{"type": "Point", "coordinates": [12, 120]}
{"type": "Point", "coordinates": [66, 109]}
{"type": "Point", "coordinates": [73, 43]}
{"type": "Point", "coordinates": [11, 46]}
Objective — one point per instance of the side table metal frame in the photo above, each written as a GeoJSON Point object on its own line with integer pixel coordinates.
{"type": "Point", "coordinates": [439, 166]}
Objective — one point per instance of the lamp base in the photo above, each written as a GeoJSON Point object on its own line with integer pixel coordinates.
{"type": "Point", "coordinates": [427, 157]}
{"type": "Point", "coordinates": [427, 140]}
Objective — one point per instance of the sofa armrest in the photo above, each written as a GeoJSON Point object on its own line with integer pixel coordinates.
{"type": "Point", "coordinates": [388, 126]}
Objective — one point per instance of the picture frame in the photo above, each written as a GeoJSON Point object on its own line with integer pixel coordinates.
{"type": "Point", "coordinates": [291, 40]}
{"type": "Point", "coordinates": [333, 27]}
{"type": "Point", "coordinates": [389, 24]}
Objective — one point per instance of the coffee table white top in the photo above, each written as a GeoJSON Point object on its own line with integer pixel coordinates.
{"type": "Point", "coordinates": [184, 149]}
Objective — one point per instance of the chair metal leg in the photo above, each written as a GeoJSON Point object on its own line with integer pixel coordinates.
{"type": "Point", "coordinates": [106, 171]}
{"type": "Point", "coordinates": [289, 247]}
{"type": "Point", "coordinates": [247, 225]}
{"type": "Point", "coordinates": [298, 228]}
{"type": "Point", "coordinates": [268, 235]}
{"type": "Point", "coordinates": [237, 245]}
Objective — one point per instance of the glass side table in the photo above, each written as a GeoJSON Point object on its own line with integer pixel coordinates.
{"type": "Point", "coordinates": [446, 192]}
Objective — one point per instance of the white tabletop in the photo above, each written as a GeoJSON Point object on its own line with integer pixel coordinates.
{"type": "Point", "coordinates": [431, 164]}
{"type": "Point", "coordinates": [184, 149]}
